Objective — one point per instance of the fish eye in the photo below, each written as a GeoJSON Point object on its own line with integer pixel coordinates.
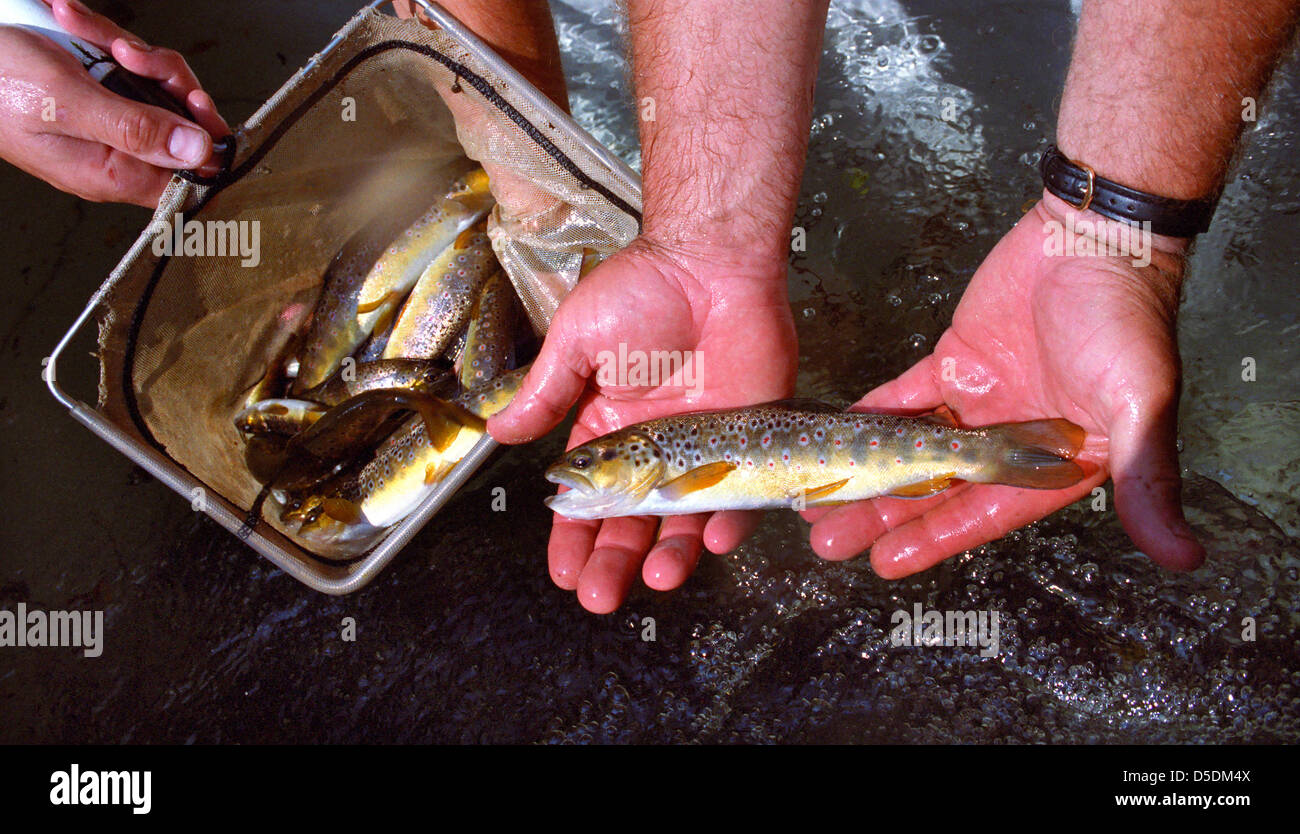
{"type": "Point", "coordinates": [581, 461]}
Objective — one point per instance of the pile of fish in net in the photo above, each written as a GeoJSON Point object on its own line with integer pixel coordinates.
{"type": "Point", "coordinates": [410, 348]}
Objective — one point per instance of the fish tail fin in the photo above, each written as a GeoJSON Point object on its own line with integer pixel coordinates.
{"type": "Point", "coordinates": [1037, 454]}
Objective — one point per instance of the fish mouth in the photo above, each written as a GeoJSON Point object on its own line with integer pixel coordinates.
{"type": "Point", "coordinates": [582, 499]}
{"type": "Point", "coordinates": [568, 478]}
{"type": "Point", "coordinates": [576, 504]}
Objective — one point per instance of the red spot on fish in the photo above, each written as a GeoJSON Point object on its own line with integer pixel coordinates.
{"type": "Point", "coordinates": [920, 444]}
{"type": "Point", "coordinates": [956, 445]}
{"type": "Point", "coordinates": [874, 443]}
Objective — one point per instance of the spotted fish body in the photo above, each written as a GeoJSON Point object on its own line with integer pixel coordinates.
{"type": "Point", "coordinates": [421, 375]}
{"type": "Point", "coordinates": [404, 471]}
{"type": "Point", "coordinates": [773, 455]}
{"type": "Point", "coordinates": [442, 300]}
{"type": "Point", "coordinates": [397, 270]}
{"type": "Point", "coordinates": [363, 286]}
{"type": "Point", "coordinates": [489, 342]}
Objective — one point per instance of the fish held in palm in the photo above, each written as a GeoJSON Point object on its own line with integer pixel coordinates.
{"type": "Point", "coordinates": [780, 454]}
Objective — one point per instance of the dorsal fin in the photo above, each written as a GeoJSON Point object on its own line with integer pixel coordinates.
{"type": "Point", "coordinates": [803, 404]}
{"type": "Point", "coordinates": [943, 416]}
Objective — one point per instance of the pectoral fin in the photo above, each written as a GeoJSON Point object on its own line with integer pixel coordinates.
{"type": "Point", "coordinates": [341, 509]}
{"type": "Point", "coordinates": [371, 306]}
{"type": "Point", "coordinates": [443, 421]}
{"type": "Point", "coordinates": [823, 490]}
{"type": "Point", "coordinates": [701, 477]}
{"type": "Point", "coordinates": [924, 489]}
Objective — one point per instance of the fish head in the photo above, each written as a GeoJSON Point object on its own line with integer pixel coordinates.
{"type": "Point", "coordinates": [607, 476]}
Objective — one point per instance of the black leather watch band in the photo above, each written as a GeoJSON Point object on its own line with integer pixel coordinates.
{"type": "Point", "coordinates": [1070, 182]}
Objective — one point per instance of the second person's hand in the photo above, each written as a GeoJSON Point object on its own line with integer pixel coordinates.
{"type": "Point", "coordinates": [58, 124]}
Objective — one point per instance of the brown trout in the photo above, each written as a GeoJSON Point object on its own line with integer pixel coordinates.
{"type": "Point", "coordinates": [421, 375]}
{"type": "Point", "coordinates": [489, 342]}
{"type": "Point", "coordinates": [348, 514]}
{"type": "Point", "coordinates": [797, 453]}
{"type": "Point", "coordinates": [442, 300]}
{"type": "Point", "coordinates": [366, 282]}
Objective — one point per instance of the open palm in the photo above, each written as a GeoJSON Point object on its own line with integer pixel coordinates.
{"type": "Point", "coordinates": [732, 320]}
{"type": "Point", "coordinates": [1087, 338]}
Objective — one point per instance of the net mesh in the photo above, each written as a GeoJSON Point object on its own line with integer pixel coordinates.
{"type": "Point", "coordinates": [184, 336]}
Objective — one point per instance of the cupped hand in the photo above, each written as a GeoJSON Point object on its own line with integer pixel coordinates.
{"type": "Point", "coordinates": [1085, 337]}
{"type": "Point", "coordinates": [731, 317]}
{"type": "Point", "coordinates": [58, 124]}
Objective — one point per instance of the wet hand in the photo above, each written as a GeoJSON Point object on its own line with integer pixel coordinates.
{"type": "Point", "coordinates": [731, 318]}
{"type": "Point", "coordinates": [57, 123]}
{"type": "Point", "coordinates": [1037, 335]}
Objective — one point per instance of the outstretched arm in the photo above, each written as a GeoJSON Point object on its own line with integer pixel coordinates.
{"type": "Point", "coordinates": [1153, 101]}
{"type": "Point", "coordinates": [521, 31]}
{"type": "Point", "coordinates": [725, 92]}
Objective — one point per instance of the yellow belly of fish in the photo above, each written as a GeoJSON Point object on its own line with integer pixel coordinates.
{"type": "Point", "coordinates": [764, 486]}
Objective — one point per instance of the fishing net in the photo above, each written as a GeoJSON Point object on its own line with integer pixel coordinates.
{"type": "Point", "coordinates": [189, 320]}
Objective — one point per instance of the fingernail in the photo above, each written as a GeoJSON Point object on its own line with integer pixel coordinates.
{"type": "Point", "coordinates": [77, 8]}
{"type": "Point", "coordinates": [138, 45]}
{"type": "Point", "coordinates": [186, 145]}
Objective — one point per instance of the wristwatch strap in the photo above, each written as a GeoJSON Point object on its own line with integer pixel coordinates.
{"type": "Point", "coordinates": [1081, 188]}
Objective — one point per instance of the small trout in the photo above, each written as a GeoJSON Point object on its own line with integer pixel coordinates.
{"type": "Point", "coordinates": [420, 375]}
{"type": "Point", "coordinates": [442, 300]}
{"type": "Point", "coordinates": [366, 282]}
{"type": "Point", "coordinates": [490, 341]}
{"type": "Point", "coordinates": [354, 512]}
{"type": "Point", "coordinates": [773, 455]}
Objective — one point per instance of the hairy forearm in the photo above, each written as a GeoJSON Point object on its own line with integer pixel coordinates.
{"type": "Point", "coordinates": [724, 89]}
{"type": "Point", "coordinates": [1154, 95]}
{"type": "Point", "coordinates": [521, 31]}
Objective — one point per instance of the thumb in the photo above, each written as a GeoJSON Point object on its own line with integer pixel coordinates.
{"type": "Point", "coordinates": [148, 133]}
{"type": "Point", "coordinates": [558, 377]}
{"type": "Point", "coordinates": [1148, 487]}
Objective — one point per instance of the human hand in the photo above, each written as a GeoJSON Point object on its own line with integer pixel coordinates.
{"type": "Point", "coordinates": [732, 317]}
{"type": "Point", "coordinates": [58, 124]}
{"type": "Point", "coordinates": [1088, 338]}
